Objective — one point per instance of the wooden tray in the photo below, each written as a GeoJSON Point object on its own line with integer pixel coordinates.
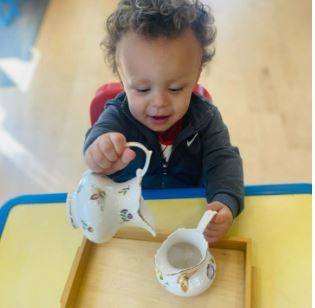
{"type": "Point", "coordinates": [120, 273]}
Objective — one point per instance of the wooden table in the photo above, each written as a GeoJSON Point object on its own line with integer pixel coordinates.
{"type": "Point", "coordinates": [38, 244]}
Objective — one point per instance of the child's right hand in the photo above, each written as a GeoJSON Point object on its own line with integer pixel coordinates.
{"type": "Point", "coordinates": [108, 154]}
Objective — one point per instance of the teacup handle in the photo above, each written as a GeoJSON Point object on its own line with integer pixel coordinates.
{"type": "Point", "coordinates": [205, 219]}
{"type": "Point", "coordinates": [148, 153]}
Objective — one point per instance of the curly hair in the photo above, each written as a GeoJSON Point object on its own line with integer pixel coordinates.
{"type": "Point", "coordinates": [156, 18]}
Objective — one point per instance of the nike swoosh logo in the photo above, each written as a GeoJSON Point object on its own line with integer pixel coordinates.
{"type": "Point", "coordinates": [189, 142]}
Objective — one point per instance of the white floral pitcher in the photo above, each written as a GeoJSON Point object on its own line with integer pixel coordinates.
{"type": "Point", "coordinates": [100, 206]}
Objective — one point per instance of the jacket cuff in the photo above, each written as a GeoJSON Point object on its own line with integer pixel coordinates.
{"type": "Point", "coordinates": [229, 201]}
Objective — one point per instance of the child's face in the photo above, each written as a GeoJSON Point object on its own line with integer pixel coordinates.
{"type": "Point", "coordinates": [158, 76]}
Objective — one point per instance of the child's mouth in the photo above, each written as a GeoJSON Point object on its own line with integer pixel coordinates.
{"type": "Point", "coordinates": [159, 120]}
{"type": "Point", "coordinates": [159, 117]}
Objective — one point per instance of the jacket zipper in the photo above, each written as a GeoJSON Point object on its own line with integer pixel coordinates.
{"type": "Point", "coordinates": [164, 172]}
{"type": "Point", "coordinates": [181, 139]}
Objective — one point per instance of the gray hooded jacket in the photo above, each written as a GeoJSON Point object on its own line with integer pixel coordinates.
{"type": "Point", "coordinates": [202, 154]}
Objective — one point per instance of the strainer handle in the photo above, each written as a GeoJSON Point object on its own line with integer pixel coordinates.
{"type": "Point", "coordinates": [205, 219]}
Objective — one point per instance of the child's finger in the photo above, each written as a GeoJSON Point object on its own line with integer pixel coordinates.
{"type": "Point", "coordinates": [219, 219]}
{"type": "Point", "coordinates": [212, 239]}
{"type": "Point", "coordinates": [127, 156]}
{"type": "Point", "coordinates": [209, 233]}
{"type": "Point", "coordinates": [92, 164]}
{"type": "Point", "coordinates": [108, 151]}
{"type": "Point", "coordinates": [214, 206]}
{"type": "Point", "coordinates": [118, 141]}
{"type": "Point", "coordinates": [97, 161]}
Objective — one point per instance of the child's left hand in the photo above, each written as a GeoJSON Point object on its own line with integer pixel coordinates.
{"type": "Point", "coordinates": [220, 223]}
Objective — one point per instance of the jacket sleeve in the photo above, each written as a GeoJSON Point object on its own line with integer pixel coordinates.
{"type": "Point", "coordinates": [222, 165]}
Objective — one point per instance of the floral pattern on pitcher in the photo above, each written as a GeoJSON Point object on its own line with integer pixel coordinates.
{"type": "Point", "coordinates": [124, 190]}
{"type": "Point", "coordinates": [125, 215]}
{"type": "Point", "coordinates": [159, 275]}
{"type": "Point", "coordinates": [211, 268]}
{"type": "Point", "coordinates": [99, 196]}
{"type": "Point", "coordinates": [183, 281]}
{"type": "Point", "coordinates": [85, 226]}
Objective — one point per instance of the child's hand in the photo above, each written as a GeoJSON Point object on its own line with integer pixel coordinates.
{"type": "Point", "coordinates": [108, 154]}
{"type": "Point", "coordinates": [220, 223]}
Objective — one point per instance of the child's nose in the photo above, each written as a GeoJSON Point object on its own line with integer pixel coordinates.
{"type": "Point", "coordinates": [159, 99]}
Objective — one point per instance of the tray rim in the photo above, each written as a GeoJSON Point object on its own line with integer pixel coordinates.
{"type": "Point", "coordinates": [78, 265]}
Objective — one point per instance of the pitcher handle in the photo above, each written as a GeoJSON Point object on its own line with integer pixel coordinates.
{"type": "Point", "coordinates": [148, 153]}
{"type": "Point", "coordinates": [205, 219]}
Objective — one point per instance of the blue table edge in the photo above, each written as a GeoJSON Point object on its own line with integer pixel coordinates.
{"type": "Point", "coordinates": [158, 194]}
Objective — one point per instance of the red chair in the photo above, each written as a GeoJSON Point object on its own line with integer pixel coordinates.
{"type": "Point", "coordinates": [110, 90]}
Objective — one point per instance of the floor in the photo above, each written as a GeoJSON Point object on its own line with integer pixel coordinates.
{"type": "Point", "coordinates": [260, 79]}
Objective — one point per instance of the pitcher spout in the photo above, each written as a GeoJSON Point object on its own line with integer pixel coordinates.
{"type": "Point", "coordinates": [144, 218]}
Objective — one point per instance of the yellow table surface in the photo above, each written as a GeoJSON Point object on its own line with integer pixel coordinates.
{"type": "Point", "coordinates": [38, 246]}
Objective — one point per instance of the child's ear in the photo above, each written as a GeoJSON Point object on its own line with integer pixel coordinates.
{"type": "Point", "coordinates": [200, 71]}
{"type": "Point", "coordinates": [198, 76]}
{"type": "Point", "coordinates": [122, 84]}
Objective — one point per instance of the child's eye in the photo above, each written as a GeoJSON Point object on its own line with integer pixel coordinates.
{"type": "Point", "coordinates": [143, 90]}
{"type": "Point", "coordinates": [175, 89]}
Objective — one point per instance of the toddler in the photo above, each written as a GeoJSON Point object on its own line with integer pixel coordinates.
{"type": "Point", "coordinates": [158, 50]}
